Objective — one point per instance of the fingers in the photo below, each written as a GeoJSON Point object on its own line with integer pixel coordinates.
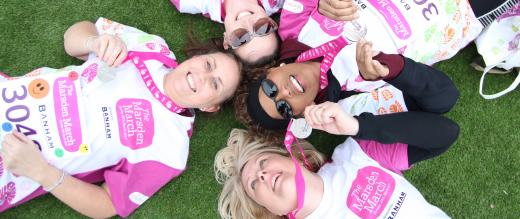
{"type": "Point", "coordinates": [340, 10]}
{"type": "Point", "coordinates": [121, 57]}
{"type": "Point", "coordinates": [21, 137]}
{"type": "Point", "coordinates": [318, 115]}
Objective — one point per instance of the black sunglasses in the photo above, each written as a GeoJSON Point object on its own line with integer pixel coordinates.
{"type": "Point", "coordinates": [262, 27]}
{"type": "Point", "coordinates": [282, 106]}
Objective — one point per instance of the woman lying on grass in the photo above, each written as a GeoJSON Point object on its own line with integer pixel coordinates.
{"type": "Point", "coordinates": [124, 118]}
{"type": "Point", "coordinates": [363, 180]}
{"type": "Point", "coordinates": [284, 92]}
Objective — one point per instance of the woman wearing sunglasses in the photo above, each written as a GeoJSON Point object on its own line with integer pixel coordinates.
{"type": "Point", "coordinates": [124, 118]}
{"type": "Point", "coordinates": [363, 180]}
{"type": "Point", "coordinates": [285, 91]}
{"type": "Point", "coordinates": [249, 30]}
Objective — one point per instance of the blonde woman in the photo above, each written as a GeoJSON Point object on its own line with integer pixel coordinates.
{"type": "Point", "coordinates": [363, 180]}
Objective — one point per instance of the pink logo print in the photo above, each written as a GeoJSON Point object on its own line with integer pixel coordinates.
{"type": "Point", "coordinates": [370, 192]}
{"type": "Point", "coordinates": [90, 72]}
{"type": "Point", "coordinates": [273, 3]}
{"type": "Point", "coordinates": [359, 79]}
{"type": "Point", "coordinates": [1, 167]}
{"type": "Point", "coordinates": [136, 123]}
{"type": "Point", "coordinates": [164, 50]}
{"type": "Point", "coordinates": [150, 46]}
{"type": "Point", "coordinates": [7, 193]}
{"type": "Point", "coordinates": [329, 26]}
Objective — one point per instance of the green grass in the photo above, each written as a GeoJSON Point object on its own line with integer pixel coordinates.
{"type": "Point", "coordinates": [477, 178]}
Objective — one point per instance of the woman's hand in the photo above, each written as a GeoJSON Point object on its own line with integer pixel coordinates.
{"type": "Point", "coordinates": [340, 10]}
{"type": "Point", "coordinates": [330, 118]}
{"type": "Point", "coordinates": [22, 157]}
{"type": "Point", "coordinates": [368, 68]}
{"type": "Point", "coordinates": [109, 48]}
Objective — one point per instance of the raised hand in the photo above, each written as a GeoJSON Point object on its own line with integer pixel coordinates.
{"type": "Point", "coordinates": [340, 10]}
{"type": "Point", "coordinates": [368, 68]}
{"type": "Point", "coordinates": [330, 118]}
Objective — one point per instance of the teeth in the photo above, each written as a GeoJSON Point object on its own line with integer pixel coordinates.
{"type": "Point", "coordinates": [296, 84]}
{"type": "Point", "coordinates": [191, 84]}
{"type": "Point", "coordinates": [243, 14]}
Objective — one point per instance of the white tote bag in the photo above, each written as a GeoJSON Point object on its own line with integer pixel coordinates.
{"type": "Point", "coordinates": [499, 45]}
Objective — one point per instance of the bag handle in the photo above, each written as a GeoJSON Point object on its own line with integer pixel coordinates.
{"type": "Point", "coordinates": [511, 87]}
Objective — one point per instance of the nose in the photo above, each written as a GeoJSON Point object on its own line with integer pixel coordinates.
{"type": "Point", "coordinates": [262, 175]}
{"type": "Point", "coordinates": [283, 93]}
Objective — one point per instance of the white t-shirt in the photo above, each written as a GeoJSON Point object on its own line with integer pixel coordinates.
{"type": "Point", "coordinates": [99, 129]}
{"type": "Point", "coordinates": [356, 186]}
{"type": "Point", "coordinates": [426, 31]}
{"type": "Point", "coordinates": [214, 9]}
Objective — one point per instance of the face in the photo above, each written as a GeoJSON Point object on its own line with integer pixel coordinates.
{"type": "Point", "coordinates": [203, 81]}
{"type": "Point", "coordinates": [244, 14]}
{"type": "Point", "coordinates": [298, 85]}
{"type": "Point", "coordinates": [268, 179]}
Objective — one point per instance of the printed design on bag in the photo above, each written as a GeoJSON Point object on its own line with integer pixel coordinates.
{"type": "Point", "coordinates": [382, 111]}
{"type": "Point", "coordinates": [396, 107]}
{"type": "Point", "coordinates": [136, 123]}
{"type": "Point", "coordinates": [370, 192]}
{"type": "Point", "coordinates": [387, 95]}
{"type": "Point", "coordinates": [7, 193]}
{"type": "Point", "coordinates": [375, 95]}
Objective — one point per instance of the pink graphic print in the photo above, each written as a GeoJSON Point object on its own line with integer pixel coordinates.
{"type": "Point", "coordinates": [7, 193]}
{"type": "Point", "coordinates": [164, 50]}
{"type": "Point", "coordinates": [393, 17]}
{"type": "Point", "coordinates": [1, 167]}
{"type": "Point", "coordinates": [329, 26]}
{"type": "Point", "coordinates": [65, 109]}
{"type": "Point", "coordinates": [329, 51]}
{"type": "Point", "coordinates": [136, 124]}
{"type": "Point", "coordinates": [90, 72]}
{"type": "Point", "coordinates": [370, 192]}
{"type": "Point", "coordinates": [273, 3]}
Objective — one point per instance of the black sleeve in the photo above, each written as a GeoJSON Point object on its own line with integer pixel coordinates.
{"type": "Point", "coordinates": [417, 129]}
{"type": "Point", "coordinates": [425, 88]}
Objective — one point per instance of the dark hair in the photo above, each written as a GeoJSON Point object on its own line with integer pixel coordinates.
{"type": "Point", "coordinates": [242, 115]}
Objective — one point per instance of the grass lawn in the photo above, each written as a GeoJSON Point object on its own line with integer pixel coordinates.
{"type": "Point", "coordinates": [477, 178]}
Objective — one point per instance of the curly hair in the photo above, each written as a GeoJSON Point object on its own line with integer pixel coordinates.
{"type": "Point", "coordinates": [242, 147]}
{"type": "Point", "coordinates": [240, 106]}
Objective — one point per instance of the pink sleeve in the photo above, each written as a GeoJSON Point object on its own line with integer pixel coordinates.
{"type": "Point", "coordinates": [130, 185]}
{"type": "Point", "coordinates": [294, 16]}
{"type": "Point", "coordinates": [393, 157]}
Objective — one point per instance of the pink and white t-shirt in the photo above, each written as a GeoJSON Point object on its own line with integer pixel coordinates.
{"type": "Point", "coordinates": [99, 124]}
{"type": "Point", "coordinates": [426, 31]}
{"type": "Point", "coordinates": [356, 186]}
{"type": "Point", "coordinates": [214, 9]}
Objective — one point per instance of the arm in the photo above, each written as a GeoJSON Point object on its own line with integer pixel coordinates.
{"type": "Point", "coordinates": [22, 157]}
{"type": "Point", "coordinates": [82, 38]}
{"type": "Point", "coordinates": [424, 88]}
{"type": "Point", "coordinates": [421, 129]}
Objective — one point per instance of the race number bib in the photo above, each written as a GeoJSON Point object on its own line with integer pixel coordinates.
{"type": "Point", "coordinates": [49, 110]}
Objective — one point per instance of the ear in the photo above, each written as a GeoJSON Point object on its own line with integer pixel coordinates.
{"type": "Point", "coordinates": [225, 42]}
{"type": "Point", "coordinates": [210, 109]}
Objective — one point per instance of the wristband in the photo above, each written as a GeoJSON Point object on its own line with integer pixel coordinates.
{"type": "Point", "coordinates": [57, 183]}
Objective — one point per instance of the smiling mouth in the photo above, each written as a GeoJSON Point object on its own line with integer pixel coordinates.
{"type": "Point", "coordinates": [296, 84]}
{"type": "Point", "coordinates": [191, 83]}
{"type": "Point", "coordinates": [243, 14]}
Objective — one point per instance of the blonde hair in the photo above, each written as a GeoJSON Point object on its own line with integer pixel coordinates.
{"type": "Point", "coordinates": [234, 203]}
